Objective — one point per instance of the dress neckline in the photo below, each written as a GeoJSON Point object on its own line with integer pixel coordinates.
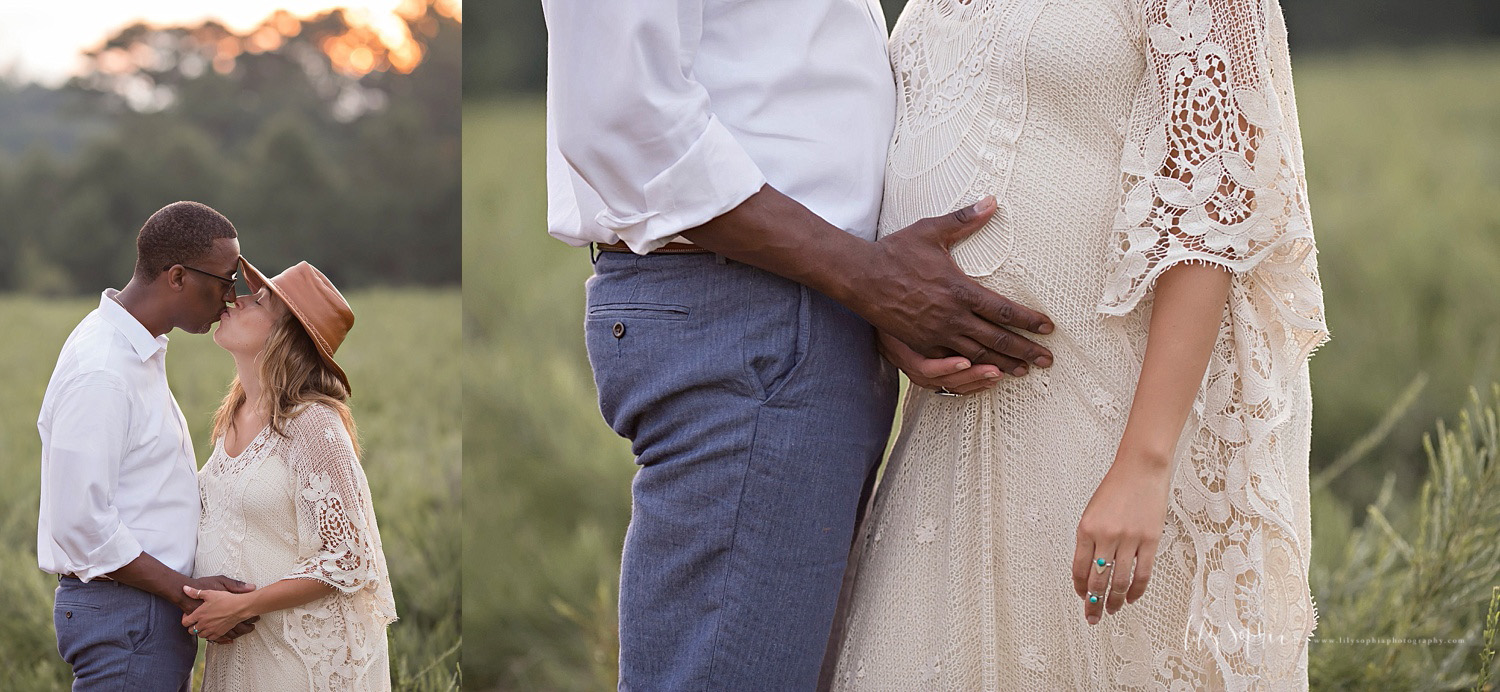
{"type": "Point", "coordinates": [248, 446]}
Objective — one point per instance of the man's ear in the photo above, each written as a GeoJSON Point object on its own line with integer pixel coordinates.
{"type": "Point", "coordinates": [176, 277]}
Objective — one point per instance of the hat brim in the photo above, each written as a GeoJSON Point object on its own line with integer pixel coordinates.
{"type": "Point", "coordinates": [255, 280]}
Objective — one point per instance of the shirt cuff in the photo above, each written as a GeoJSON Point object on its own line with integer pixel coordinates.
{"type": "Point", "coordinates": [116, 552]}
{"type": "Point", "coordinates": [712, 177]}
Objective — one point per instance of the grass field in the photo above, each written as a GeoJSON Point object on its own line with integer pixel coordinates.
{"type": "Point", "coordinates": [402, 359]}
{"type": "Point", "coordinates": [1403, 159]}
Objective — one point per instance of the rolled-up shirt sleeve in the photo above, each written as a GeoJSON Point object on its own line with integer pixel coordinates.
{"type": "Point", "coordinates": [629, 119]}
{"type": "Point", "coordinates": [88, 434]}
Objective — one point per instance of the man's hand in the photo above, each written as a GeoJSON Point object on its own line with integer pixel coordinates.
{"type": "Point", "coordinates": [906, 284]}
{"type": "Point", "coordinates": [955, 374]}
{"type": "Point", "coordinates": [217, 582]}
{"type": "Point", "coordinates": [912, 290]}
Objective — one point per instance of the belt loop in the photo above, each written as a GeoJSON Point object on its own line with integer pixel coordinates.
{"type": "Point", "coordinates": [593, 253]}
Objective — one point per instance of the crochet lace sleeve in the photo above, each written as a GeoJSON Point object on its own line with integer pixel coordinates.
{"type": "Point", "coordinates": [334, 522]}
{"type": "Point", "coordinates": [341, 638]}
{"type": "Point", "coordinates": [1212, 168]}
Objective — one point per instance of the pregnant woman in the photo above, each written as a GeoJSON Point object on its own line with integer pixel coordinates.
{"type": "Point", "coordinates": [1147, 167]}
{"type": "Point", "coordinates": [286, 504]}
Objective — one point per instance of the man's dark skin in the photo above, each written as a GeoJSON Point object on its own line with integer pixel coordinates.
{"type": "Point", "coordinates": [905, 284]}
{"type": "Point", "coordinates": [183, 299]}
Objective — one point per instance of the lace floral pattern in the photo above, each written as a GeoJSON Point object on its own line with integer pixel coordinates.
{"type": "Point", "coordinates": [1212, 172]}
{"type": "Point", "coordinates": [1120, 138]}
{"type": "Point", "coordinates": [298, 507]}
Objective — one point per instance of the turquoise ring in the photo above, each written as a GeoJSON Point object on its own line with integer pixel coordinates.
{"type": "Point", "coordinates": [1093, 597]}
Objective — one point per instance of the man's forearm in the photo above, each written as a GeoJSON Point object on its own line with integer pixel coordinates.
{"type": "Point", "coordinates": [150, 575]}
{"type": "Point", "coordinates": [776, 233]}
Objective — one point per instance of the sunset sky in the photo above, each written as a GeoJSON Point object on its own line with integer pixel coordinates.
{"type": "Point", "coordinates": [43, 42]}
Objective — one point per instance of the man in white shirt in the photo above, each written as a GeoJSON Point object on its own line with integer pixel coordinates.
{"type": "Point", "coordinates": [119, 486]}
{"type": "Point", "coordinates": [728, 159]}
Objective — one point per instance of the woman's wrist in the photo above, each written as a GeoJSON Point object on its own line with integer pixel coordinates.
{"type": "Point", "coordinates": [248, 605]}
{"type": "Point", "coordinates": [1144, 457]}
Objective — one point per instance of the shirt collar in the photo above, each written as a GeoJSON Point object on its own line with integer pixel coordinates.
{"type": "Point", "coordinates": [140, 339]}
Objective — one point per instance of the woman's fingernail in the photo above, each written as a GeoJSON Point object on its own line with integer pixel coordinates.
{"type": "Point", "coordinates": [1019, 372]}
{"type": "Point", "coordinates": [1043, 361]}
{"type": "Point", "coordinates": [992, 375]}
{"type": "Point", "coordinates": [985, 206]}
{"type": "Point", "coordinates": [962, 365]}
{"type": "Point", "coordinates": [1046, 328]}
{"type": "Point", "coordinates": [1093, 619]}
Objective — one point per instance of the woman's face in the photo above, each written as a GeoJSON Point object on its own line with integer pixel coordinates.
{"type": "Point", "coordinates": [245, 324]}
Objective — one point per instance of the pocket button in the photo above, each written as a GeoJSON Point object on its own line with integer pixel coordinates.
{"type": "Point", "coordinates": [619, 330]}
{"type": "Point", "coordinates": [68, 614]}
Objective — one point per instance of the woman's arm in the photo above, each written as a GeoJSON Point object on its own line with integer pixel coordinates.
{"type": "Point", "coordinates": [222, 610]}
{"type": "Point", "coordinates": [1185, 322]}
{"type": "Point", "coordinates": [1124, 519]}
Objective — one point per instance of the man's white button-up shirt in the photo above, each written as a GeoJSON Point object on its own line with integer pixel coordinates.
{"type": "Point", "coordinates": [663, 115]}
{"type": "Point", "coordinates": [118, 472]}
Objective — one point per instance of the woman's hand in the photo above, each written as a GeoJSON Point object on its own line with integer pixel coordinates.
{"type": "Point", "coordinates": [219, 613]}
{"type": "Point", "coordinates": [1121, 524]}
{"type": "Point", "coordinates": [954, 373]}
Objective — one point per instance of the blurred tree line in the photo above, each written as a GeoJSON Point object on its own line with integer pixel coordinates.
{"type": "Point", "coordinates": [507, 43]}
{"type": "Point", "coordinates": [314, 136]}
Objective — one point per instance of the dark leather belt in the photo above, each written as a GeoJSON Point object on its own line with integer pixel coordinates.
{"type": "Point", "coordinates": [669, 249]}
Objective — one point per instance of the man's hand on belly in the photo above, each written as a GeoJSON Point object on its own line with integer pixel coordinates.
{"type": "Point", "coordinates": [905, 284]}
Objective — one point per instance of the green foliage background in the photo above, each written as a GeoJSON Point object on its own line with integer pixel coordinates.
{"type": "Point", "coordinates": [1403, 160]}
{"type": "Point", "coordinates": [358, 175]}
{"type": "Point", "coordinates": [402, 358]}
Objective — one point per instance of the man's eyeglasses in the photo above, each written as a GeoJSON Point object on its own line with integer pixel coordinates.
{"type": "Point", "coordinates": [232, 280]}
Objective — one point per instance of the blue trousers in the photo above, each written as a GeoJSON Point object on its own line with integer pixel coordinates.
{"type": "Point", "coordinates": [758, 411]}
{"type": "Point", "coordinates": [119, 638]}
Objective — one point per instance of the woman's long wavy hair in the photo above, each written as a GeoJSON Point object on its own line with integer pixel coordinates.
{"type": "Point", "coordinates": [291, 374]}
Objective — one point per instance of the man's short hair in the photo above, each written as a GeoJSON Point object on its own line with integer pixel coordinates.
{"type": "Point", "coordinates": [179, 233]}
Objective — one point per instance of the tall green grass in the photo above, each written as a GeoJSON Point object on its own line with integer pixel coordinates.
{"type": "Point", "coordinates": [548, 483]}
{"type": "Point", "coordinates": [402, 359]}
{"type": "Point", "coordinates": [1420, 586]}
{"type": "Point", "coordinates": [1403, 159]}
{"type": "Point", "coordinates": [1403, 167]}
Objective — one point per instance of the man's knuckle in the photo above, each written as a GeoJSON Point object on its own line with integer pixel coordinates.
{"type": "Point", "coordinates": [1005, 341]}
{"type": "Point", "coordinates": [1005, 312]}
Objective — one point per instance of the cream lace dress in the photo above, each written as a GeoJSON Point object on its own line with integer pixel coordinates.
{"type": "Point", "coordinates": [298, 507]}
{"type": "Point", "coordinates": [1120, 137]}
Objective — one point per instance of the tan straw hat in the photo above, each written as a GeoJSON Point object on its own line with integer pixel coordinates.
{"type": "Point", "coordinates": [316, 304]}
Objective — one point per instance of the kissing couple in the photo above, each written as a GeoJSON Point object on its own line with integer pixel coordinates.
{"type": "Point", "coordinates": [270, 551]}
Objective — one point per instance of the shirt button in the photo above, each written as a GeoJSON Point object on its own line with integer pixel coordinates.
{"type": "Point", "coordinates": [619, 330]}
